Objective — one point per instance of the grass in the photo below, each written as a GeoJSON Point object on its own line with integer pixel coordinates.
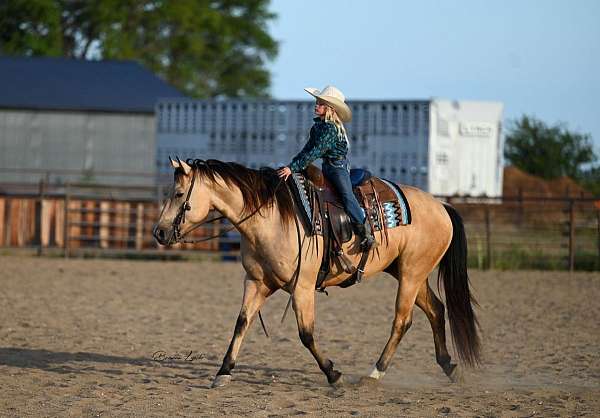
{"type": "Point", "coordinates": [519, 257]}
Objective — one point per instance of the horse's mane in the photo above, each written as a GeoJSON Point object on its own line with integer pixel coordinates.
{"type": "Point", "coordinates": [260, 188]}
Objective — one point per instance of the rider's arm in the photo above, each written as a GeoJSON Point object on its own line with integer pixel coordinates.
{"type": "Point", "coordinates": [322, 137]}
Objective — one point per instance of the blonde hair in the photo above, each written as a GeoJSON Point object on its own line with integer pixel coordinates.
{"type": "Point", "coordinates": [332, 117]}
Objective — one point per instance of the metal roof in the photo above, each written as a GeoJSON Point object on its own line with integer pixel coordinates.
{"type": "Point", "coordinates": [79, 85]}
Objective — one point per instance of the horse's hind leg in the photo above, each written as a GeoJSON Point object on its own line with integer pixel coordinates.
{"type": "Point", "coordinates": [255, 294]}
{"type": "Point", "coordinates": [434, 309]}
{"type": "Point", "coordinates": [304, 306]}
{"type": "Point", "coordinates": [408, 287]}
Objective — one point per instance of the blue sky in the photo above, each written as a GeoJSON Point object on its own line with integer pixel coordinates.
{"type": "Point", "coordinates": [537, 57]}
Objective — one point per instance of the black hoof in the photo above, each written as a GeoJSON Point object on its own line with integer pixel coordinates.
{"type": "Point", "coordinates": [334, 377]}
{"type": "Point", "coordinates": [454, 373]}
{"type": "Point", "coordinates": [449, 369]}
{"type": "Point", "coordinates": [221, 380]}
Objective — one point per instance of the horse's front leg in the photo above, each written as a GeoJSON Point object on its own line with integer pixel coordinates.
{"type": "Point", "coordinates": [304, 306]}
{"type": "Point", "coordinates": [255, 294]}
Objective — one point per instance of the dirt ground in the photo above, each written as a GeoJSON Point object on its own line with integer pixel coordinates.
{"type": "Point", "coordinates": [80, 338]}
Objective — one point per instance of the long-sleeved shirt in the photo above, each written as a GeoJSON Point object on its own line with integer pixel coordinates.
{"type": "Point", "coordinates": [324, 142]}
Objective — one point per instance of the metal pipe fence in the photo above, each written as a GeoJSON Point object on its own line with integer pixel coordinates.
{"type": "Point", "coordinates": [85, 219]}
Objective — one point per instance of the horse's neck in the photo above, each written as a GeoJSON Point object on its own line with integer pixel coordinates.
{"type": "Point", "coordinates": [265, 240]}
{"type": "Point", "coordinates": [254, 226]}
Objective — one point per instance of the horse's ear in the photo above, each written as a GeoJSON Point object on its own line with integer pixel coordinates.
{"type": "Point", "coordinates": [184, 166]}
{"type": "Point", "coordinates": [174, 164]}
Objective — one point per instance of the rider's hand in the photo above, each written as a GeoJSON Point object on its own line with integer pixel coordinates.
{"type": "Point", "coordinates": [284, 172]}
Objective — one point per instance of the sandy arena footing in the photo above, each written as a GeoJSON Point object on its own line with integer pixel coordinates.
{"type": "Point", "coordinates": [133, 338]}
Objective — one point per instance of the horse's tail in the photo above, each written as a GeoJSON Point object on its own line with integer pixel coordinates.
{"type": "Point", "coordinates": [453, 271]}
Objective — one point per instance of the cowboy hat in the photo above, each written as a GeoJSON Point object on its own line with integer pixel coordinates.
{"type": "Point", "coordinates": [334, 98]}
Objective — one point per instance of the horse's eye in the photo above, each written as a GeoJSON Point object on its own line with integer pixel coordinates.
{"type": "Point", "coordinates": [179, 194]}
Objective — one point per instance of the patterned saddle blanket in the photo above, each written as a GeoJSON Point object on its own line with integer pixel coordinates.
{"type": "Point", "coordinates": [384, 202]}
{"type": "Point", "coordinates": [323, 213]}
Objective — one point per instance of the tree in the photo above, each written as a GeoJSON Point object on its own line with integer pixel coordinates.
{"type": "Point", "coordinates": [590, 180]}
{"type": "Point", "coordinates": [205, 48]}
{"type": "Point", "coordinates": [547, 151]}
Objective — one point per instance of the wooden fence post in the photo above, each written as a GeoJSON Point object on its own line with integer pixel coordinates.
{"type": "Point", "coordinates": [521, 209]}
{"type": "Point", "coordinates": [571, 235]}
{"type": "Point", "coordinates": [104, 222]}
{"type": "Point", "coordinates": [488, 238]}
{"type": "Point", "coordinates": [2, 206]}
{"type": "Point", "coordinates": [66, 219]}
{"type": "Point", "coordinates": [39, 221]}
{"type": "Point", "coordinates": [159, 199]}
{"type": "Point", "coordinates": [139, 226]}
{"type": "Point", "coordinates": [598, 218]}
{"type": "Point", "coordinates": [9, 202]}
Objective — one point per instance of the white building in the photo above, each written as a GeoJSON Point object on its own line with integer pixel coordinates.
{"type": "Point", "coordinates": [444, 147]}
{"type": "Point", "coordinates": [465, 148]}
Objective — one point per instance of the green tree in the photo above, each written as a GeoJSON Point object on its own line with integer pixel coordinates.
{"type": "Point", "coordinates": [590, 180]}
{"type": "Point", "coordinates": [205, 48]}
{"type": "Point", "coordinates": [547, 151]}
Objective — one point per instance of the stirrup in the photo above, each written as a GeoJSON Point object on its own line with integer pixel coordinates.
{"type": "Point", "coordinates": [322, 290]}
{"type": "Point", "coordinates": [359, 273]}
{"type": "Point", "coordinates": [365, 245]}
{"type": "Point", "coordinates": [367, 241]}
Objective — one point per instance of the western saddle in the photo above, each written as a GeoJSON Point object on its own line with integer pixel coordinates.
{"type": "Point", "coordinates": [323, 214]}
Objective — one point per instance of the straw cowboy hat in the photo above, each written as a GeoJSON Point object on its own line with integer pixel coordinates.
{"type": "Point", "coordinates": [333, 97]}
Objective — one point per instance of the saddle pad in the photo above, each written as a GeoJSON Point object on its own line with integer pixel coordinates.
{"type": "Point", "coordinates": [406, 216]}
{"type": "Point", "coordinates": [301, 190]}
{"type": "Point", "coordinates": [396, 211]}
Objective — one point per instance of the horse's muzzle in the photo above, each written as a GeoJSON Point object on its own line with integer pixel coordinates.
{"type": "Point", "coordinates": [161, 236]}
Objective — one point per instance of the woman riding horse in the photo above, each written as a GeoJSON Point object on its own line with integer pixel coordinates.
{"type": "Point", "coordinates": [328, 140]}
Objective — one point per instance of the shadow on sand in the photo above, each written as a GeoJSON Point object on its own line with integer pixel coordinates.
{"type": "Point", "coordinates": [58, 361]}
{"type": "Point", "coordinates": [85, 362]}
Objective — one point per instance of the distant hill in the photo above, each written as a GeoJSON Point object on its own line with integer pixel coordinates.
{"type": "Point", "coordinates": [517, 181]}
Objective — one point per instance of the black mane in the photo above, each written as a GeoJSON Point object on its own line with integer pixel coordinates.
{"type": "Point", "coordinates": [260, 188]}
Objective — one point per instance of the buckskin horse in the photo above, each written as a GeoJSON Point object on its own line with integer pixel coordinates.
{"type": "Point", "coordinates": [261, 207]}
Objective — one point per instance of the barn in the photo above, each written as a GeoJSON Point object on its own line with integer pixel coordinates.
{"type": "Point", "coordinates": [66, 120]}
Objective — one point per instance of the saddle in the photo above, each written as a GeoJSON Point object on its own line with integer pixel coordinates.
{"type": "Point", "coordinates": [323, 214]}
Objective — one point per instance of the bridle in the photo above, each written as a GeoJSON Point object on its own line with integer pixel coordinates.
{"type": "Point", "coordinates": [177, 236]}
{"type": "Point", "coordinates": [180, 217]}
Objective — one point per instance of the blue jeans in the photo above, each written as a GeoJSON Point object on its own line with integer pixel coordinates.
{"type": "Point", "coordinates": [337, 173]}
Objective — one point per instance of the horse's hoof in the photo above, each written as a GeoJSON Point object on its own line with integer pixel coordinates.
{"type": "Point", "coordinates": [363, 382]}
{"type": "Point", "coordinates": [376, 374]}
{"type": "Point", "coordinates": [335, 379]}
{"type": "Point", "coordinates": [221, 380]}
{"type": "Point", "coordinates": [454, 373]}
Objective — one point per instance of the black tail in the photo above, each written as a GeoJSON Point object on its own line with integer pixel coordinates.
{"type": "Point", "coordinates": [453, 271]}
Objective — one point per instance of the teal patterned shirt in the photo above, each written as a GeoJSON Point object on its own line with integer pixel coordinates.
{"type": "Point", "coordinates": [324, 142]}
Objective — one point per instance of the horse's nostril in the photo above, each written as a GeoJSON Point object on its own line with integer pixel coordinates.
{"type": "Point", "coordinates": [160, 235]}
{"type": "Point", "coordinates": [163, 236]}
